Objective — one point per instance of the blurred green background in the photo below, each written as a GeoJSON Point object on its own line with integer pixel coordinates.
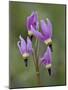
{"type": "Point", "coordinates": [19, 75]}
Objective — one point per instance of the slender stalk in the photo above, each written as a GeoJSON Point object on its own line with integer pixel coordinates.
{"type": "Point", "coordinates": [38, 49]}
{"type": "Point", "coordinates": [35, 60]}
{"type": "Point", "coordinates": [37, 64]}
{"type": "Point", "coordinates": [37, 72]}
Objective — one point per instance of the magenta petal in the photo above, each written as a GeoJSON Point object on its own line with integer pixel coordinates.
{"type": "Point", "coordinates": [18, 44]}
{"type": "Point", "coordinates": [49, 25]}
{"type": "Point", "coordinates": [23, 44]}
{"type": "Point", "coordinates": [29, 45]}
{"type": "Point", "coordinates": [43, 27]}
{"type": "Point", "coordinates": [47, 57]}
{"type": "Point", "coordinates": [37, 34]}
{"type": "Point", "coordinates": [36, 23]}
{"type": "Point", "coordinates": [48, 54]}
{"type": "Point", "coordinates": [42, 60]}
{"type": "Point", "coordinates": [32, 20]}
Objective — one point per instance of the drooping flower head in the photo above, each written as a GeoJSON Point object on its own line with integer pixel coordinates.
{"type": "Point", "coordinates": [32, 20]}
{"type": "Point", "coordinates": [25, 48]}
{"type": "Point", "coordinates": [46, 59]}
{"type": "Point", "coordinates": [46, 32]}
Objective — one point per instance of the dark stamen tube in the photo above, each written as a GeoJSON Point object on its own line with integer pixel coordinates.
{"type": "Point", "coordinates": [50, 45]}
{"type": "Point", "coordinates": [26, 62]}
{"type": "Point", "coordinates": [49, 71]}
{"type": "Point", "coordinates": [31, 37]}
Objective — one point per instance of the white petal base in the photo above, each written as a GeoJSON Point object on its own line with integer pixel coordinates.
{"type": "Point", "coordinates": [25, 55]}
{"type": "Point", "coordinates": [48, 65]}
{"type": "Point", "coordinates": [48, 41]}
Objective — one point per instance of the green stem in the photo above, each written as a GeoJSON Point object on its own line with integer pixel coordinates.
{"type": "Point", "coordinates": [35, 60]}
{"type": "Point", "coordinates": [37, 72]}
{"type": "Point", "coordinates": [37, 64]}
{"type": "Point", "coordinates": [38, 49]}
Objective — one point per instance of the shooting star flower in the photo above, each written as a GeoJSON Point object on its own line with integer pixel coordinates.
{"type": "Point", "coordinates": [32, 20]}
{"type": "Point", "coordinates": [25, 48]}
{"type": "Point", "coordinates": [46, 60]}
{"type": "Point", "coordinates": [46, 32]}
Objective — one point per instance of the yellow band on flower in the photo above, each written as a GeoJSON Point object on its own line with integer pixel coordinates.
{"type": "Point", "coordinates": [30, 33]}
{"type": "Point", "coordinates": [48, 41]}
{"type": "Point", "coordinates": [48, 65]}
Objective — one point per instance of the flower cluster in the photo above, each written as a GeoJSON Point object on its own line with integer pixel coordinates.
{"type": "Point", "coordinates": [45, 36]}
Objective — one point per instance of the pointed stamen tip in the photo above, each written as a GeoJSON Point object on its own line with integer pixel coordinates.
{"type": "Point", "coordinates": [49, 71]}
{"type": "Point", "coordinates": [26, 62]}
{"type": "Point", "coordinates": [50, 45]}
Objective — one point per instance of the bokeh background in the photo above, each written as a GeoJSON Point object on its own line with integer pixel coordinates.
{"type": "Point", "coordinates": [19, 75]}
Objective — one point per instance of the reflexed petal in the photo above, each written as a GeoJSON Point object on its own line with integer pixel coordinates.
{"type": "Point", "coordinates": [37, 34]}
{"type": "Point", "coordinates": [23, 44]}
{"type": "Point", "coordinates": [32, 20]}
{"type": "Point", "coordinates": [42, 60]}
{"type": "Point", "coordinates": [18, 44]}
{"type": "Point", "coordinates": [29, 45]}
{"type": "Point", "coordinates": [36, 23]}
{"type": "Point", "coordinates": [45, 29]}
{"type": "Point", "coordinates": [47, 57]}
{"type": "Point", "coordinates": [35, 16]}
{"type": "Point", "coordinates": [49, 25]}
